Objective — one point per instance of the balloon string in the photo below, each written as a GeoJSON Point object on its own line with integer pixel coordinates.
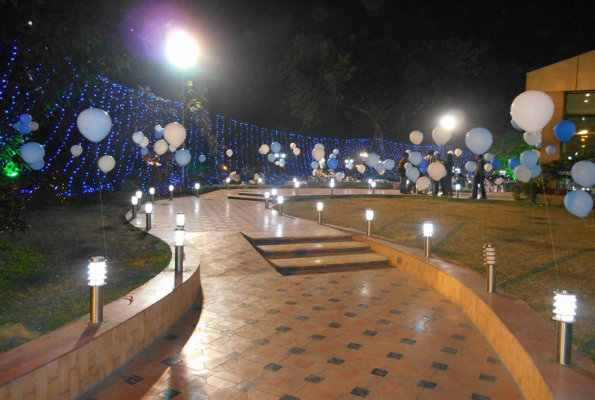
{"type": "Point", "coordinates": [549, 224]}
{"type": "Point", "coordinates": [101, 201]}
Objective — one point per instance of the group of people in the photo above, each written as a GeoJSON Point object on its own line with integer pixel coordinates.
{"type": "Point", "coordinates": [445, 183]}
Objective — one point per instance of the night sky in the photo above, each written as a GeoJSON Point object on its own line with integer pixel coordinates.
{"type": "Point", "coordinates": [242, 42]}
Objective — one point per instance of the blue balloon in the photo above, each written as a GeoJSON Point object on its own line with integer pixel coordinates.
{"type": "Point", "coordinates": [275, 147]}
{"type": "Point", "coordinates": [314, 164]}
{"type": "Point", "coordinates": [495, 162]}
{"type": "Point", "coordinates": [579, 203]}
{"type": "Point", "coordinates": [144, 151]}
{"type": "Point", "coordinates": [271, 157]}
{"type": "Point", "coordinates": [423, 164]}
{"type": "Point", "coordinates": [515, 126]}
{"type": "Point", "coordinates": [202, 158]}
{"type": "Point", "coordinates": [25, 118]}
{"type": "Point", "coordinates": [158, 135]}
{"type": "Point", "coordinates": [332, 163]}
{"type": "Point", "coordinates": [513, 163]}
{"type": "Point", "coordinates": [529, 158]}
{"type": "Point", "coordinates": [564, 130]}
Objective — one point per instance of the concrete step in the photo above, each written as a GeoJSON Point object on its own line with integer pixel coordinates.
{"type": "Point", "coordinates": [309, 249]}
{"type": "Point", "coordinates": [248, 198]}
{"type": "Point", "coordinates": [287, 266]}
{"type": "Point", "coordinates": [271, 240]}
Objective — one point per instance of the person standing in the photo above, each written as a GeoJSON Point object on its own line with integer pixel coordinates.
{"type": "Point", "coordinates": [446, 182]}
{"type": "Point", "coordinates": [479, 178]}
{"type": "Point", "coordinates": [403, 173]}
{"type": "Point", "coordinates": [436, 184]}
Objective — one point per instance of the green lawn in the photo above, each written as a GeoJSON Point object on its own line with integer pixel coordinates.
{"type": "Point", "coordinates": [538, 249]}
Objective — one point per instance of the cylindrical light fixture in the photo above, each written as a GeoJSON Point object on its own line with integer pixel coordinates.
{"type": "Point", "coordinates": [152, 193]}
{"type": "Point", "coordinates": [266, 199]}
{"type": "Point", "coordinates": [274, 192]}
{"type": "Point", "coordinates": [370, 183]}
{"type": "Point", "coordinates": [373, 184]}
{"type": "Point", "coordinates": [171, 192]}
{"type": "Point", "coordinates": [139, 194]}
{"type": "Point", "coordinates": [228, 180]}
{"type": "Point", "coordinates": [297, 188]}
{"type": "Point", "coordinates": [369, 218]}
{"type": "Point", "coordinates": [197, 187]}
{"type": "Point", "coordinates": [134, 206]}
{"type": "Point", "coordinates": [259, 182]}
{"type": "Point", "coordinates": [319, 207]}
{"type": "Point", "coordinates": [564, 315]}
{"type": "Point", "coordinates": [179, 244]}
{"type": "Point", "coordinates": [489, 256]}
{"type": "Point", "coordinates": [458, 189]}
{"type": "Point", "coordinates": [280, 202]}
{"type": "Point", "coordinates": [428, 230]}
{"type": "Point", "coordinates": [180, 220]}
{"type": "Point", "coordinates": [97, 271]}
{"type": "Point", "coordinates": [148, 213]}
{"type": "Point", "coordinates": [332, 186]}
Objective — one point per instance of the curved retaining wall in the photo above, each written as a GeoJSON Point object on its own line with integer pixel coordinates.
{"type": "Point", "coordinates": [70, 360]}
{"type": "Point", "coordinates": [524, 342]}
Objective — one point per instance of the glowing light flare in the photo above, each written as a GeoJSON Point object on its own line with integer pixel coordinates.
{"type": "Point", "coordinates": [182, 49]}
{"type": "Point", "coordinates": [449, 122]}
{"type": "Point", "coordinates": [564, 306]}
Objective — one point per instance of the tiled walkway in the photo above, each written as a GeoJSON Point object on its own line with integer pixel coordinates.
{"type": "Point", "coordinates": [378, 334]}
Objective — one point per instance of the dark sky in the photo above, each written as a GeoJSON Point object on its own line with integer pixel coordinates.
{"type": "Point", "coordinates": [242, 42]}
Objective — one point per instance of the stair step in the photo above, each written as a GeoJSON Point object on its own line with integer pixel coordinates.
{"type": "Point", "coordinates": [309, 264]}
{"type": "Point", "coordinates": [272, 240]}
{"type": "Point", "coordinates": [313, 248]}
{"type": "Point", "coordinates": [248, 198]}
{"type": "Point", "coordinates": [251, 194]}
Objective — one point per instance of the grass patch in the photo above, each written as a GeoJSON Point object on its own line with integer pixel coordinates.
{"type": "Point", "coordinates": [43, 272]}
{"type": "Point", "coordinates": [538, 249]}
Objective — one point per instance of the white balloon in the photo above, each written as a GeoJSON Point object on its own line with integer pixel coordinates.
{"type": "Point", "coordinates": [579, 203]}
{"type": "Point", "coordinates": [318, 153]}
{"type": "Point", "coordinates": [296, 151]}
{"type": "Point", "coordinates": [416, 137]}
{"type": "Point", "coordinates": [94, 124]}
{"type": "Point", "coordinates": [382, 171]}
{"type": "Point", "coordinates": [339, 176]}
{"type": "Point", "coordinates": [138, 137]}
{"type": "Point", "coordinates": [106, 163]}
{"type": "Point", "coordinates": [172, 148]}
{"type": "Point", "coordinates": [293, 145]}
{"type": "Point", "coordinates": [470, 166]}
{"type": "Point", "coordinates": [314, 165]}
{"type": "Point", "coordinates": [229, 152]}
{"type": "Point", "coordinates": [175, 134]}
{"type": "Point", "coordinates": [583, 173]}
{"type": "Point", "coordinates": [182, 157]}
{"type": "Point", "coordinates": [372, 160]}
{"type": "Point", "coordinates": [145, 142]}
{"type": "Point", "coordinates": [276, 147]}
{"type": "Point", "coordinates": [361, 168]}
{"type": "Point", "coordinates": [36, 166]}
{"type": "Point", "coordinates": [265, 148]}
{"type": "Point", "coordinates": [415, 157]}
{"type": "Point", "coordinates": [551, 150]}
{"type": "Point", "coordinates": [532, 138]}
{"type": "Point", "coordinates": [412, 173]}
{"type": "Point", "coordinates": [488, 167]}
{"type": "Point", "coordinates": [407, 165]}
{"type": "Point", "coordinates": [436, 170]}
{"type": "Point", "coordinates": [389, 164]}
{"type": "Point", "coordinates": [488, 157]}
{"type": "Point", "coordinates": [319, 146]}
{"type": "Point", "coordinates": [522, 173]}
{"type": "Point", "coordinates": [76, 150]}
{"type": "Point", "coordinates": [32, 152]}
{"type": "Point", "coordinates": [532, 110]}
{"type": "Point", "coordinates": [441, 135]}
{"type": "Point", "coordinates": [422, 183]}
{"type": "Point", "coordinates": [478, 140]}
{"type": "Point", "coordinates": [458, 152]}
{"type": "Point", "coordinates": [34, 126]}
{"type": "Point", "coordinates": [158, 128]}
{"type": "Point", "coordinates": [160, 147]}
{"type": "Point", "coordinates": [336, 151]}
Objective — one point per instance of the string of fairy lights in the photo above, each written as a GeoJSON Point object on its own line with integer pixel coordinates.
{"type": "Point", "coordinates": [132, 110]}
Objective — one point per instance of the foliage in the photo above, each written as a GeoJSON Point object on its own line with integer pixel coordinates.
{"type": "Point", "coordinates": [506, 146]}
{"type": "Point", "coordinates": [12, 204]}
{"type": "Point", "coordinates": [528, 191]}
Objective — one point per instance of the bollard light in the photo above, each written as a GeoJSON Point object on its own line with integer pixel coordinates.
{"type": "Point", "coordinates": [180, 220]}
{"type": "Point", "coordinates": [294, 180]}
{"type": "Point", "coordinates": [259, 182]}
{"type": "Point", "coordinates": [489, 257]}
{"type": "Point", "coordinates": [179, 235]}
{"type": "Point", "coordinates": [332, 185]}
{"type": "Point", "coordinates": [97, 273]}
{"type": "Point", "coordinates": [297, 188]}
{"type": "Point", "coordinates": [428, 231]}
{"type": "Point", "coordinates": [370, 183]}
{"type": "Point", "coordinates": [266, 199]}
{"type": "Point", "coordinates": [458, 189]}
{"type": "Point", "coordinates": [373, 184]}
{"type": "Point", "coordinates": [319, 207]}
{"type": "Point", "coordinates": [369, 218]}
{"type": "Point", "coordinates": [171, 192]}
{"type": "Point", "coordinates": [197, 187]}
{"type": "Point", "coordinates": [228, 180]}
{"type": "Point", "coordinates": [274, 192]}
{"type": "Point", "coordinates": [148, 214]}
{"type": "Point", "coordinates": [152, 193]}
{"type": "Point", "coordinates": [139, 194]}
{"type": "Point", "coordinates": [134, 206]}
{"type": "Point", "coordinates": [564, 315]}
{"type": "Point", "coordinates": [280, 202]}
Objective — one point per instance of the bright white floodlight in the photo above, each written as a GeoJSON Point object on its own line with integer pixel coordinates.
{"type": "Point", "coordinates": [182, 50]}
{"type": "Point", "coordinates": [448, 122]}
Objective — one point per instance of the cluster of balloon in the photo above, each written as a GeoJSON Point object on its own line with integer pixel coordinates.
{"type": "Point", "coordinates": [32, 153]}
{"type": "Point", "coordinates": [158, 131]}
{"type": "Point", "coordinates": [25, 125]}
{"type": "Point", "coordinates": [318, 153]}
{"type": "Point", "coordinates": [478, 140]}
{"type": "Point", "coordinates": [579, 202]}
{"type": "Point", "coordinates": [373, 161]}
{"type": "Point", "coordinates": [143, 141]}
{"type": "Point", "coordinates": [532, 138]}
{"type": "Point", "coordinates": [95, 124]}
{"type": "Point", "coordinates": [416, 137]}
{"type": "Point", "coordinates": [296, 150]}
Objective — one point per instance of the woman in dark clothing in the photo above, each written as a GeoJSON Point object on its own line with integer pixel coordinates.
{"type": "Point", "coordinates": [479, 178]}
{"type": "Point", "coordinates": [446, 182]}
{"type": "Point", "coordinates": [403, 173]}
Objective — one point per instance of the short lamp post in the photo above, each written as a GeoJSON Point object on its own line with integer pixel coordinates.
{"type": "Point", "coordinates": [319, 207]}
{"type": "Point", "coordinates": [139, 194]}
{"type": "Point", "coordinates": [152, 193]}
{"type": "Point", "coordinates": [280, 202]}
{"type": "Point", "coordinates": [259, 182]}
{"type": "Point", "coordinates": [564, 315]}
{"type": "Point", "coordinates": [134, 206]}
{"type": "Point", "coordinates": [180, 220]}
{"type": "Point", "coordinates": [179, 244]}
{"type": "Point", "coordinates": [428, 231]}
{"type": "Point", "coordinates": [274, 192]}
{"type": "Point", "coordinates": [458, 189]}
{"type": "Point", "coordinates": [370, 183]}
{"type": "Point", "coordinates": [489, 256]}
{"type": "Point", "coordinates": [373, 184]}
{"type": "Point", "coordinates": [369, 218]}
{"type": "Point", "coordinates": [171, 192]}
{"type": "Point", "coordinates": [297, 188]}
{"type": "Point", "coordinates": [266, 200]}
{"type": "Point", "coordinates": [197, 187]}
{"type": "Point", "coordinates": [97, 271]}
{"type": "Point", "coordinates": [332, 185]}
{"type": "Point", "coordinates": [228, 180]}
{"type": "Point", "coordinates": [148, 214]}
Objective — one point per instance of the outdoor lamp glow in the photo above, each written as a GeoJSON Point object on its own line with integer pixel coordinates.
{"type": "Point", "coordinates": [373, 184]}
{"type": "Point", "coordinates": [228, 180]}
{"type": "Point", "coordinates": [280, 199]}
{"type": "Point", "coordinates": [428, 229]}
{"type": "Point", "coordinates": [273, 192]}
{"type": "Point", "coordinates": [297, 185]}
{"type": "Point", "coordinates": [171, 192]}
{"type": "Point", "coordinates": [458, 186]}
{"type": "Point", "coordinates": [179, 235]}
{"type": "Point", "coordinates": [134, 200]}
{"type": "Point", "coordinates": [280, 202]}
{"type": "Point", "coordinates": [148, 212]}
{"type": "Point", "coordinates": [369, 215]}
{"type": "Point", "coordinates": [564, 315]}
{"type": "Point", "coordinates": [282, 155]}
{"type": "Point", "coordinates": [332, 183]}
{"type": "Point", "coordinates": [97, 271]}
{"type": "Point", "coordinates": [179, 250]}
{"type": "Point", "coordinates": [139, 194]}
{"type": "Point", "coordinates": [259, 181]}
{"type": "Point", "coordinates": [152, 191]}
{"type": "Point", "coordinates": [171, 188]}
{"type": "Point", "coordinates": [180, 219]}
{"type": "Point", "coordinates": [448, 122]}
{"type": "Point", "coordinates": [564, 306]}
{"type": "Point", "coordinates": [266, 199]}
{"type": "Point", "coordinates": [276, 155]}
{"type": "Point", "coordinates": [182, 50]}
{"type": "Point", "coordinates": [197, 186]}
{"type": "Point", "coordinates": [267, 195]}
{"type": "Point", "coordinates": [149, 208]}
{"type": "Point", "coordinates": [319, 206]}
